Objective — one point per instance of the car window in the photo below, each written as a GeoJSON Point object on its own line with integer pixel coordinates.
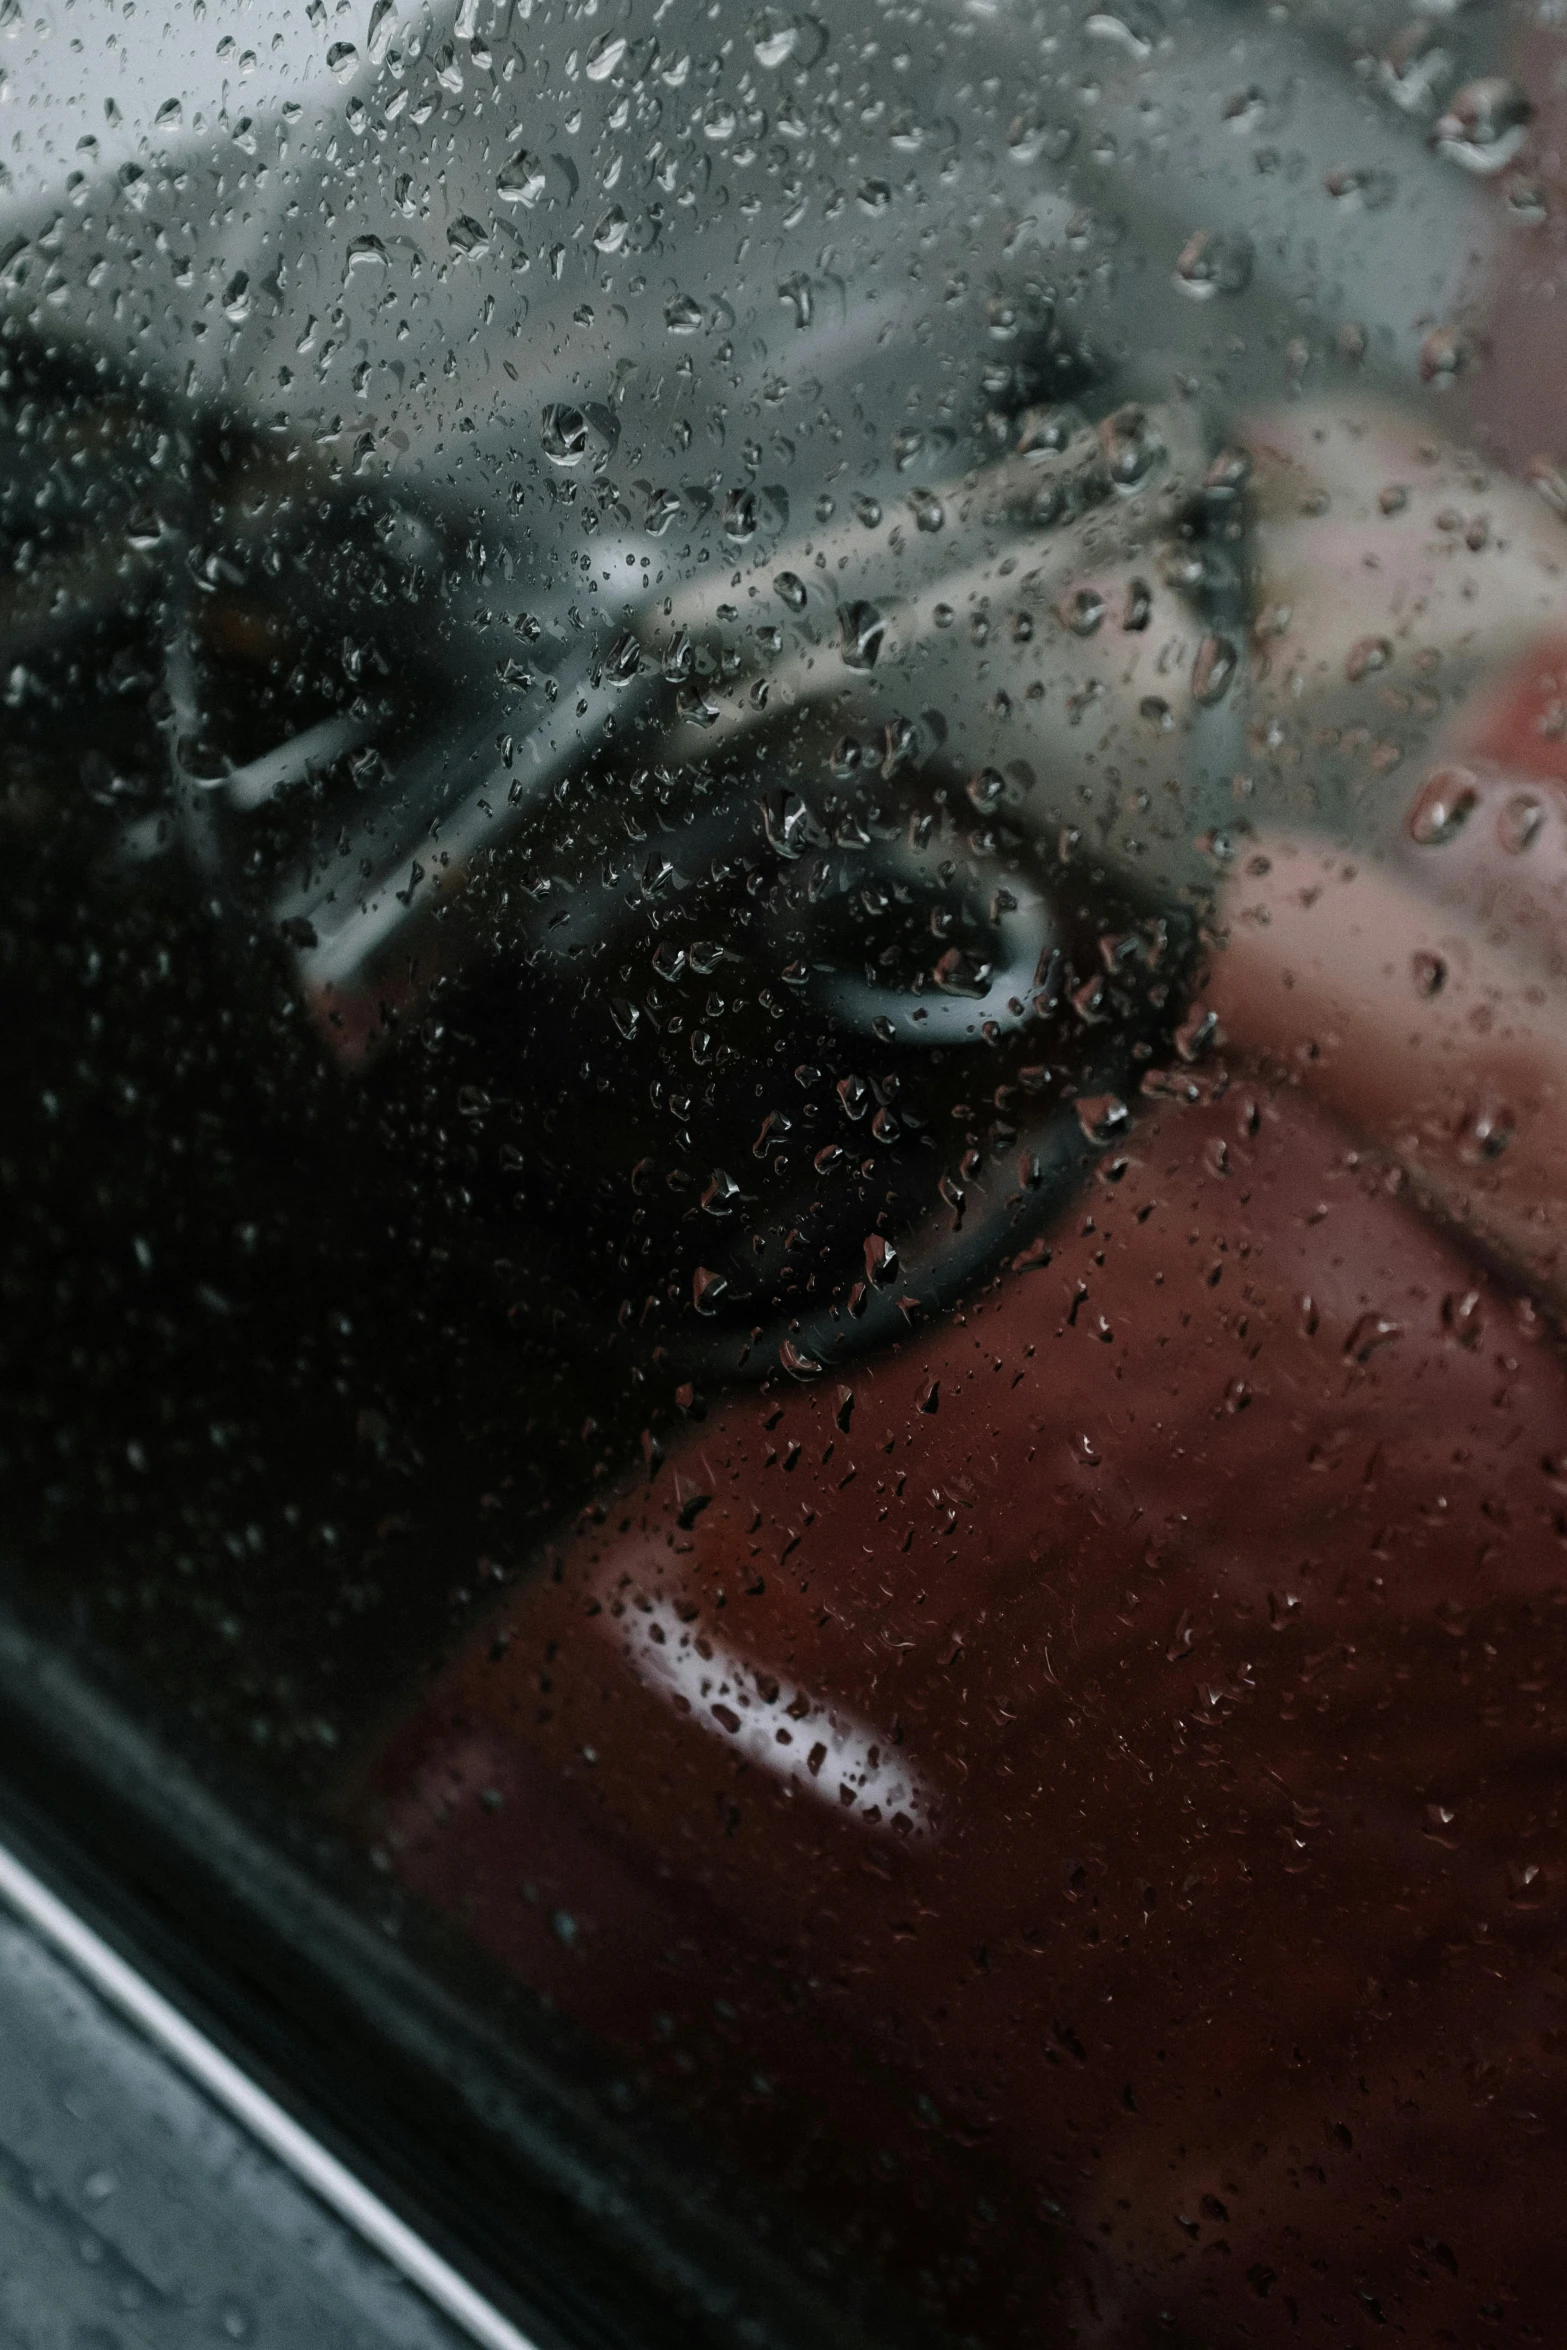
{"type": "Point", "coordinates": [783, 950]}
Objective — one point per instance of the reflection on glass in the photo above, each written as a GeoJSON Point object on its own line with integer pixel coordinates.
{"type": "Point", "coordinates": [787, 839]}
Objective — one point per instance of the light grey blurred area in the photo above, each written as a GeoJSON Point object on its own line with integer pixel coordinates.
{"type": "Point", "coordinates": [135, 2215]}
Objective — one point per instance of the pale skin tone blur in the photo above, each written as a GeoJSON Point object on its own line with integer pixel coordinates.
{"type": "Point", "coordinates": [1416, 985]}
{"type": "Point", "coordinates": [1424, 1039]}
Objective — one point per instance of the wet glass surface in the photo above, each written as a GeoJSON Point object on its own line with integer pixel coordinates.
{"type": "Point", "coordinates": [786, 823]}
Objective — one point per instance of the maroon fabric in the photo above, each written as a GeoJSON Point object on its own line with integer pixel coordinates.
{"type": "Point", "coordinates": [1212, 1985]}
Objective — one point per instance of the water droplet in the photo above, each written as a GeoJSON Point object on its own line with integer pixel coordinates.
{"type": "Point", "coordinates": [1088, 1001]}
{"type": "Point", "coordinates": [1371, 1331]}
{"type": "Point", "coordinates": [1443, 354]}
{"type": "Point", "coordinates": [380, 32]}
{"type": "Point", "coordinates": [610, 234]}
{"type": "Point", "coordinates": [1213, 670]}
{"type": "Point", "coordinates": [341, 59]}
{"type": "Point", "coordinates": [1484, 127]}
{"type": "Point", "coordinates": [1412, 67]}
{"type": "Point", "coordinates": [564, 435]}
{"type": "Point", "coordinates": [522, 180]}
{"type": "Point", "coordinates": [1042, 433]}
{"type": "Point", "coordinates": [236, 298]}
{"type": "Point", "coordinates": [961, 974]}
{"type": "Point", "coordinates": [1185, 566]}
{"type": "Point", "coordinates": [986, 790]}
{"type": "Point", "coordinates": [623, 660]}
{"type": "Point", "coordinates": [773, 39]}
{"type": "Point", "coordinates": [683, 315]}
{"type": "Point", "coordinates": [1461, 1316]}
{"type": "Point", "coordinates": [202, 762]}
{"type": "Point", "coordinates": [1003, 318]}
{"type": "Point", "coordinates": [1525, 1883]}
{"type": "Point", "coordinates": [708, 1289]}
{"type": "Point", "coordinates": [860, 628]}
{"type": "Point", "coordinates": [797, 1362]}
{"type": "Point", "coordinates": [740, 516]}
{"type": "Point", "coordinates": [604, 54]}
{"type": "Point", "coordinates": [791, 830]}
{"type": "Point", "coordinates": [1131, 446]}
{"type": "Point", "coordinates": [1102, 1116]}
{"type": "Point", "coordinates": [1549, 482]}
{"type": "Point", "coordinates": [1444, 804]}
{"type": "Point", "coordinates": [1244, 109]}
{"type": "Point", "coordinates": [1083, 610]}
{"type": "Point", "coordinates": [695, 708]}
{"type": "Point", "coordinates": [791, 588]}
{"type": "Point", "coordinates": [1525, 200]}
{"type": "Point", "coordinates": [1135, 31]}
{"type": "Point", "coordinates": [719, 121]}
{"type": "Point", "coordinates": [1370, 654]}
{"type": "Point", "coordinates": [1360, 189]}
{"type": "Point", "coordinates": [1485, 1131]}
{"type": "Point", "coordinates": [1520, 823]}
{"type": "Point", "coordinates": [874, 195]}
{"type": "Point", "coordinates": [881, 1261]}
{"type": "Point", "coordinates": [796, 291]}
{"type": "Point", "coordinates": [467, 236]}
{"type": "Point", "coordinates": [929, 512]}
{"type": "Point", "coordinates": [854, 1094]}
{"type": "Point", "coordinates": [867, 510]}
{"type": "Point", "coordinates": [691, 1499]}
{"type": "Point", "coordinates": [1429, 971]}
{"type": "Point", "coordinates": [1033, 136]}
{"type": "Point", "coordinates": [1227, 476]}
{"type": "Point", "coordinates": [776, 38]}
{"type": "Point", "coordinates": [1213, 263]}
